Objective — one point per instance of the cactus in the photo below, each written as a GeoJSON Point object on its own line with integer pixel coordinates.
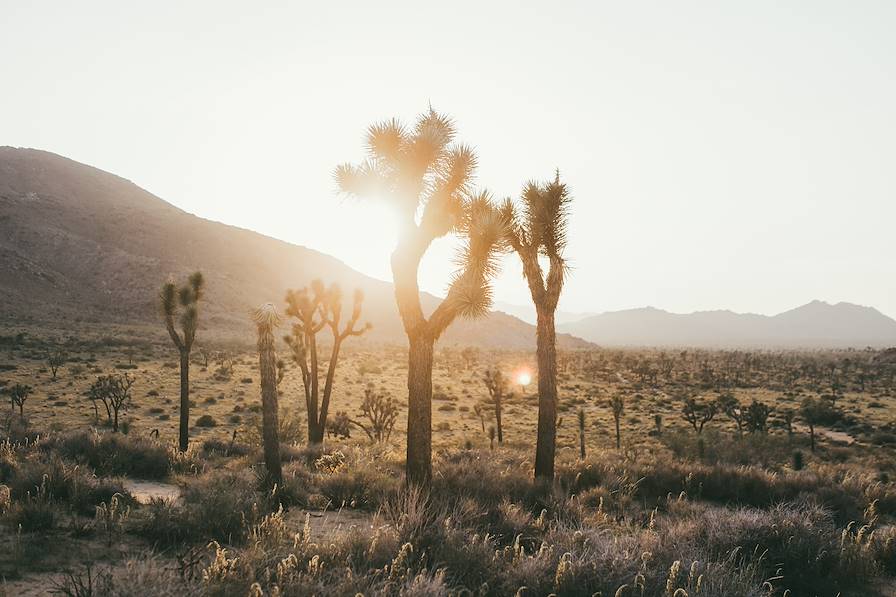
{"type": "Point", "coordinates": [114, 392]}
{"type": "Point", "coordinates": [266, 320]}
{"type": "Point", "coordinates": [313, 309]}
{"type": "Point", "coordinates": [186, 301]}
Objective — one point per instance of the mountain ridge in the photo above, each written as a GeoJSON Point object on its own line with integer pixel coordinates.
{"type": "Point", "coordinates": [78, 243]}
{"type": "Point", "coordinates": [817, 324]}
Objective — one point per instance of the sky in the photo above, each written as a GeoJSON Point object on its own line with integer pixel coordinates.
{"type": "Point", "coordinates": [721, 155]}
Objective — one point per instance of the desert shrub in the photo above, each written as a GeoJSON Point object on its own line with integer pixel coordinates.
{"type": "Point", "coordinates": [361, 488]}
{"type": "Point", "coordinates": [218, 507]}
{"type": "Point", "coordinates": [206, 421]}
{"type": "Point", "coordinates": [113, 454]}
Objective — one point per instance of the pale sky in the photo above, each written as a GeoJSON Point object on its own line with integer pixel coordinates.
{"type": "Point", "coordinates": [736, 155]}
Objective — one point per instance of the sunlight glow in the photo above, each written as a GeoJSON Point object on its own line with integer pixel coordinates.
{"type": "Point", "coordinates": [524, 378]}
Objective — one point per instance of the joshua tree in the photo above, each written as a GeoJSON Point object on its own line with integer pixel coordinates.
{"type": "Point", "coordinates": [56, 358]}
{"type": "Point", "coordinates": [617, 403]}
{"type": "Point", "coordinates": [17, 396]}
{"type": "Point", "coordinates": [732, 408]}
{"type": "Point", "coordinates": [582, 433]}
{"type": "Point", "coordinates": [539, 230]}
{"type": "Point", "coordinates": [314, 309]}
{"type": "Point", "coordinates": [757, 417]}
{"type": "Point", "coordinates": [266, 320]}
{"type": "Point", "coordinates": [698, 413]}
{"type": "Point", "coordinates": [491, 437]}
{"type": "Point", "coordinates": [114, 391]}
{"type": "Point", "coordinates": [813, 411]}
{"type": "Point", "coordinates": [428, 179]}
{"type": "Point", "coordinates": [380, 412]}
{"type": "Point", "coordinates": [787, 416]}
{"type": "Point", "coordinates": [497, 389]}
{"type": "Point", "coordinates": [186, 301]}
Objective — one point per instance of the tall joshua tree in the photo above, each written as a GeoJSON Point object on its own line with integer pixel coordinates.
{"type": "Point", "coordinates": [538, 229]}
{"type": "Point", "coordinates": [182, 304]}
{"type": "Point", "coordinates": [497, 386]}
{"type": "Point", "coordinates": [314, 309]}
{"type": "Point", "coordinates": [266, 320]}
{"type": "Point", "coordinates": [427, 178]}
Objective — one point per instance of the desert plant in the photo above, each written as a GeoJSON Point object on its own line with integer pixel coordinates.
{"type": "Point", "coordinates": [757, 417]}
{"type": "Point", "coordinates": [582, 433]}
{"type": "Point", "coordinates": [422, 173]}
{"type": "Point", "coordinates": [380, 412]}
{"type": "Point", "coordinates": [266, 319]}
{"type": "Point", "coordinates": [698, 412]}
{"type": "Point", "coordinates": [340, 425]}
{"type": "Point", "coordinates": [497, 387]}
{"type": "Point", "coordinates": [787, 416]}
{"type": "Point", "coordinates": [18, 394]}
{"type": "Point", "coordinates": [617, 405]}
{"type": "Point", "coordinates": [114, 392]}
{"type": "Point", "coordinates": [539, 230]}
{"type": "Point", "coordinates": [314, 309]}
{"type": "Point", "coordinates": [187, 298]}
{"type": "Point", "coordinates": [813, 411]}
{"type": "Point", "coordinates": [56, 358]}
{"type": "Point", "coordinates": [732, 408]}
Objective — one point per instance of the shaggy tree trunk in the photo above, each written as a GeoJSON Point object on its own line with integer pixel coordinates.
{"type": "Point", "coordinates": [267, 364]}
{"type": "Point", "coordinates": [547, 396]}
{"type": "Point", "coordinates": [618, 438]}
{"type": "Point", "coordinates": [500, 430]}
{"type": "Point", "coordinates": [184, 435]}
{"type": "Point", "coordinates": [419, 456]}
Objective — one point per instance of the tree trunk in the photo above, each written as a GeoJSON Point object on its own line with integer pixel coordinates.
{"type": "Point", "coordinates": [618, 439]}
{"type": "Point", "coordinates": [547, 397]}
{"type": "Point", "coordinates": [498, 419]}
{"type": "Point", "coordinates": [582, 443]}
{"type": "Point", "coordinates": [267, 364]}
{"type": "Point", "coordinates": [184, 435]}
{"type": "Point", "coordinates": [419, 455]}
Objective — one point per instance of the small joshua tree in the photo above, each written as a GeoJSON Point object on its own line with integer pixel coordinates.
{"type": "Point", "coordinates": [380, 412]}
{"type": "Point", "coordinates": [114, 392]}
{"type": "Point", "coordinates": [56, 358]}
{"type": "Point", "coordinates": [582, 433]}
{"type": "Point", "coordinates": [698, 413]}
{"type": "Point", "coordinates": [266, 320]}
{"type": "Point", "coordinates": [617, 404]}
{"type": "Point", "coordinates": [17, 396]}
{"type": "Point", "coordinates": [497, 386]}
{"type": "Point", "coordinates": [732, 408]}
{"type": "Point", "coordinates": [183, 301]}
{"type": "Point", "coordinates": [757, 417]}
{"type": "Point", "coordinates": [813, 412]}
{"type": "Point", "coordinates": [491, 436]}
{"type": "Point", "coordinates": [480, 414]}
{"type": "Point", "coordinates": [787, 416]}
{"type": "Point", "coordinates": [314, 309]}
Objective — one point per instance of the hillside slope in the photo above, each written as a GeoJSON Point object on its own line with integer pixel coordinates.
{"type": "Point", "coordinates": [80, 244]}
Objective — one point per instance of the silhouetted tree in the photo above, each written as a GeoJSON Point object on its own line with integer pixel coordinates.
{"type": "Point", "coordinates": [428, 179]}
{"type": "Point", "coordinates": [497, 387]}
{"type": "Point", "coordinates": [757, 417]}
{"type": "Point", "coordinates": [582, 433]}
{"type": "Point", "coordinates": [536, 230]}
{"type": "Point", "coordinates": [183, 300]}
{"type": "Point", "coordinates": [732, 408]}
{"type": "Point", "coordinates": [18, 394]}
{"type": "Point", "coordinates": [314, 309]}
{"type": "Point", "coordinates": [114, 391]}
{"type": "Point", "coordinates": [266, 320]}
{"type": "Point", "coordinates": [813, 412]}
{"type": "Point", "coordinates": [381, 413]}
{"type": "Point", "coordinates": [698, 413]}
{"type": "Point", "coordinates": [617, 405]}
{"type": "Point", "coordinates": [56, 358]}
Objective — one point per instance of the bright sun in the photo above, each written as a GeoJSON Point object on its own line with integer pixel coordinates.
{"type": "Point", "coordinates": [523, 378]}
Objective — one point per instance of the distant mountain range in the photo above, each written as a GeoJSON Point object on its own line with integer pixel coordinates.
{"type": "Point", "coordinates": [527, 313]}
{"type": "Point", "coordinates": [814, 325]}
{"type": "Point", "coordinates": [81, 245]}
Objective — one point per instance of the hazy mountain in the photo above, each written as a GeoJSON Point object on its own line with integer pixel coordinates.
{"type": "Point", "coordinates": [78, 244]}
{"type": "Point", "coordinates": [814, 325]}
